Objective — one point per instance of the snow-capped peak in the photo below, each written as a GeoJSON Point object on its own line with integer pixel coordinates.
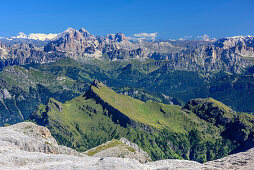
{"type": "Point", "coordinates": [240, 37]}
{"type": "Point", "coordinates": [69, 30]}
{"type": "Point", "coordinates": [35, 36]}
{"type": "Point", "coordinates": [21, 35]}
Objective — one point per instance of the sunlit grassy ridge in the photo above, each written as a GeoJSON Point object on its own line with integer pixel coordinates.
{"type": "Point", "coordinates": [150, 113]}
{"type": "Point", "coordinates": [163, 131]}
{"type": "Point", "coordinates": [78, 123]}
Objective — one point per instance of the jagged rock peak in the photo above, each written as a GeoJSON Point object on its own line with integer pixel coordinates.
{"type": "Point", "coordinates": [73, 31]}
{"type": "Point", "coordinates": [83, 30]}
{"type": "Point", "coordinates": [97, 83]}
{"type": "Point", "coordinates": [240, 37]}
{"type": "Point", "coordinates": [70, 30]}
{"type": "Point", "coordinates": [118, 37]}
{"type": "Point", "coordinates": [236, 41]}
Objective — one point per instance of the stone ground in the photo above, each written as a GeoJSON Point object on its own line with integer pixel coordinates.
{"type": "Point", "coordinates": [28, 146]}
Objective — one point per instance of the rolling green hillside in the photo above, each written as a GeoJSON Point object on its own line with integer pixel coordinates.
{"type": "Point", "coordinates": [163, 131]}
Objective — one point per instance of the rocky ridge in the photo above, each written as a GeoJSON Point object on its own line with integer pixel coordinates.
{"type": "Point", "coordinates": [22, 146]}
{"type": "Point", "coordinates": [229, 54]}
{"type": "Point", "coordinates": [122, 148]}
{"type": "Point", "coordinates": [21, 54]}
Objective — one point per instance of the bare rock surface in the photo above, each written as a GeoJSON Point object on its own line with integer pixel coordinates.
{"type": "Point", "coordinates": [33, 138]}
{"type": "Point", "coordinates": [134, 146]}
{"type": "Point", "coordinates": [29, 146]}
{"type": "Point", "coordinates": [242, 160]}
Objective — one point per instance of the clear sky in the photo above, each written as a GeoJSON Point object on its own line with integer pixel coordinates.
{"type": "Point", "coordinates": [171, 19]}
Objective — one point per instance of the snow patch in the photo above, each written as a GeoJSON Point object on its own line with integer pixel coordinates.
{"type": "Point", "coordinates": [35, 36]}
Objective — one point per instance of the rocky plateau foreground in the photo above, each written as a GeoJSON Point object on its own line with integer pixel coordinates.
{"type": "Point", "coordinates": [29, 146]}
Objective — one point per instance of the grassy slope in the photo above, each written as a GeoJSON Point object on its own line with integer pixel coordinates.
{"type": "Point", "coordinates": [83, 123]}
{"type": "Point", "coordinates": [150, 113]}
{"type": "Point", "coordinates": [79, 119]}
{"type": "Point", "coordinates": [110, 144]}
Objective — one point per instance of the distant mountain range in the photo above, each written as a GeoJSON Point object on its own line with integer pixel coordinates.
{"type": "Point", "coordinates": [232, 54]}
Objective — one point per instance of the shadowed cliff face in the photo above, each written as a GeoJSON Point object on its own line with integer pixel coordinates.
{"type": "Point", "coordinates": [211, 110]}
{"type": "Point", "coordinates": [238, 127]}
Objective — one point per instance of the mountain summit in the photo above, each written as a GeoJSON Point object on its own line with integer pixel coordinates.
{"type": "Point", "coordinates": [228, 54]}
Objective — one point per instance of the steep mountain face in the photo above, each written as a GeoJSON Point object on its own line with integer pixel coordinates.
{"type": "Point", "coordinates": [211, 110]}
{"type": "Point", "coordinates": [73, 41]}
{"type": "Point", "coordinates": [163, 131]}
{"type": "Point", "coordinates": [228, 54]}
{"type": "Point", "coordinates": [22, 90]}
{"type": "Point", "coordinates": [226, 88]}
{"type": "Point", "coordinates": [237, 128]}
{"type": "Point", "coordinates": [241, 45]}
{"type": "Point", "coordinates": [21, 54]}
{"type": "Point", "coordinates": [225, 54]}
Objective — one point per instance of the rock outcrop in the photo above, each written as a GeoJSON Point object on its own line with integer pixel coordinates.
{"type": "Point", "coordinates": [33, 138]}
{"type": "Point", "coordinates": [242, 160]}
{"type": "Point", "coordinates": [119, 148]}
{"type": "Point", "coordinates": [16, 151]}
{"type": "Point", "coordinates": [136, 147]}
{"type": "Point", "coordinates": [21, 54]}
{"type": "Point", "coordinates": [22, 146]}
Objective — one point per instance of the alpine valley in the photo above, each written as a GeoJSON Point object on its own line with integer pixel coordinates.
{"type": "Point", "coordinates": [145, 100]}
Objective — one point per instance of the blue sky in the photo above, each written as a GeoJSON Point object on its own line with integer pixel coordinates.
{"type": "Point", "coordinates": [171, 19]}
